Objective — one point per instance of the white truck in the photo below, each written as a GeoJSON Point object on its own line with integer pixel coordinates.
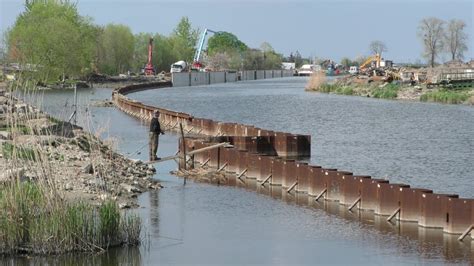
{"type": "Point", "coordinates": [179, 66]}
{"type": "Point", "coordinates": [308, 69]}
{"type": "Point", "coordinates": [354, 70]}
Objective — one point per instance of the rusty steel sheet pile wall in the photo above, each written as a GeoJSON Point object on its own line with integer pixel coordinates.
{"type": "Point", "coordinates": [267, 157]}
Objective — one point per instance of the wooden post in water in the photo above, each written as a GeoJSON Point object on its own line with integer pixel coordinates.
{"type": "Point", "coordinates": [183, 153]}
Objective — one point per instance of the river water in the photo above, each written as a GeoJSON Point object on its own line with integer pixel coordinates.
{"type": "Point", "coordinates": [424, 145]}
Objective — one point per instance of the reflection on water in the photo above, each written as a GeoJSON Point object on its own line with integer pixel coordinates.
{"type": "Point", "coordinates": [430, 243]}
{"type": "Point", "coordinates": [245, 223]}
{"type": "Point", "coordinates": [154, 217]}
{"type": "Point", "coordinates": [422, 144]}
{"type": "Point", "coordinates": [115, 256]}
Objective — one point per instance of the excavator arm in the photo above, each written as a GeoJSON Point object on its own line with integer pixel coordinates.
{"type": "Point", "coordinates": [369, 60]}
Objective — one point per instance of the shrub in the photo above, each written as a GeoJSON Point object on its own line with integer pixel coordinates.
{"type": "Point", "coordinates": [445, 96]}
{"type": "Point", "coordinates": [390, 91]}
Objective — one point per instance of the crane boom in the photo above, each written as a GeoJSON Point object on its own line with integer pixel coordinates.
{"type": "Point", "coordinates": [371, 59]}
{"type": "Point", "coordinates": [149, 69]}
{"type": "Point", "coordinates": [197, 54]}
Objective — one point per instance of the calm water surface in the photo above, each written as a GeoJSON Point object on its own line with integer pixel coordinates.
{"type": "Point", "coordinates": [428, 145]}
{"type": "Point", "coordinates": [422, 144]}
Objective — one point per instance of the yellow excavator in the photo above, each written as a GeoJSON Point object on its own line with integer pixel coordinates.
{"type": "Point", "coordinates": [369, 61]}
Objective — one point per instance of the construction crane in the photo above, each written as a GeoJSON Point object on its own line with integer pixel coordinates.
{"type": "Point", "coordinates": [369, 60]}
{"type": "Point", "coordinates": [197, 65]}
{"type": "Point", "coordinates": [149, 69]}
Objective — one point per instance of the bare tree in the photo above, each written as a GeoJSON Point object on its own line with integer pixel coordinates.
{"type": "Point", "coordinates": [377, 47]}
{"type": "Point", "coordinates": [218, 61]}
{"type": "Point", "coordinates": [431, 31]}
{"type": "Point", "coordinates": [456, 39]}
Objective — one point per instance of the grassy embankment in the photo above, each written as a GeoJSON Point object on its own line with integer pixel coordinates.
{"type": "Point", "coordinates": [391, 91]}
{"type": "Point", "coordinates": [447, 96]}
{"type": "Point", "coordinates": [318, 83]}
{"type": "Point", "coordinates": [36, 218]}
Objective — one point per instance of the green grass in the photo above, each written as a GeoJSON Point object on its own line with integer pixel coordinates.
{"type": "Point", "coordinates": [11, 151]}
{"type": "Point", "coordinates": [334, 88]}
{"type": "Point", "coordinates": [389, 91]}
{"type": "Point", "coordinates": [446, 96]}
{"type": "Point", "coordinates": [344, 90]}
{"type": "Point", "coordinates": [53, 119]}
{"type": "Point", "coordinates": [32, 220]}
{"type": "Point", "coordinates": [18, 128]}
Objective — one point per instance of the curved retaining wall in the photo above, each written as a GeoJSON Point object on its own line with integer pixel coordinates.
{"type": "Point", "coordinates": [263, 155]}
{"type": "Point", "coordinates": [183, 79]}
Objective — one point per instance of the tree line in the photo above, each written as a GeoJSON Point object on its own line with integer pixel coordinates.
{"type": "Point", "coordinates": [438, 37]}
{"type": "Point", "coordinates": [53, 39]}
{"type": "Point", "coordinates": [56, 41]}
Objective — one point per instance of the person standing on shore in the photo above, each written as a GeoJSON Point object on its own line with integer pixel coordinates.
{"type": "Point", "coordinates": [155, 131]}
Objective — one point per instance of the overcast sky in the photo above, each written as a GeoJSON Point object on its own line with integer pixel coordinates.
{"type": "Point", "coordinates": [327, 29]}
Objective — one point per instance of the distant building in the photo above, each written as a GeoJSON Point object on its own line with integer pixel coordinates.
{"type": "Point", "coordinates": [386, 63]}
{"type": "Point", "coordinates": [288, 66]}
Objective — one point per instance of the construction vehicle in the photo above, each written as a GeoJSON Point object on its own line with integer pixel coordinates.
{"type": "Point", "coordinates": [308, 69]}
{"type": "Point", "coordinates": [197, 65]}
{"type": "Point", "coordinates": [354, 70]}
{"type": "Point", "coordinates": [370, 60]}
{"type": "Point", "coordinates": [179, 66]}
{"type": "Point", "coordinates": [149, 69]}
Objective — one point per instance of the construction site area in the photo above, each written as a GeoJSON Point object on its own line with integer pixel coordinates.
{"type": "Point", "coordinates": [452, 82]}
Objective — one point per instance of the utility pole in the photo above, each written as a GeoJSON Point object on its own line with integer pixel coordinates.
{"type": "Point", "coordinates": [74, 113]}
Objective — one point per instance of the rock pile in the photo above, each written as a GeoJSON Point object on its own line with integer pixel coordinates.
{"type": "Point", "coordinates": [80, 165]}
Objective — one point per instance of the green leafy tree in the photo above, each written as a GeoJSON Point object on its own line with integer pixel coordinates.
{"type": "Point", "coordinates": [271, 59]}
{"type": "Point", "coordinates": [116, 49]}
{"type": "Point", "coordinates": [225, 42]}
{"type": "Point", "coordinates": [266, 47]}
{"type": "Point", "coordinates": [183, 40]}
{"type": "Point", "coordinates": [3, 49]}
{"type": "Point", "coordinates": [51, 38]}
{"type": "Point", "coordinates": [163, 53]}
{"type": "Point", "coordinates": [140, 51]}
{"type": "Point", "coordinates": [346, 62]}
{"type": "Point", "coordinates": [253, 59]}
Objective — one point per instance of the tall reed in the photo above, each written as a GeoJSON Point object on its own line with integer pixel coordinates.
{"type": "Point", "coordinates": [316, 80]}
{"type": "Point", "coordinates": [35, 217]}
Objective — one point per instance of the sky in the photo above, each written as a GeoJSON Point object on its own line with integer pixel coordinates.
{"type": "Point", "coordinates": [324, 29]}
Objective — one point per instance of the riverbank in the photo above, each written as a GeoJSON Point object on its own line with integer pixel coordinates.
{"type": "Point", "coordinates": [171, 216]}
{"type": "Point", "coordinates": [386, 90]}
{"type": "Point", "coordinates": [62, 188]}
{"type": "Point", "coordinates": [86, 167]}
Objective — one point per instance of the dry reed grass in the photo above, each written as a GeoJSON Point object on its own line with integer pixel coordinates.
{"type": "Point", "coordinates": [316, 80]}
{"type": "Point", "coordinates": [35, 217]}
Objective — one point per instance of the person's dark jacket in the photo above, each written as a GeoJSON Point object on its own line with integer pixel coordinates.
{"type": "Point", "coordinates": [155, 126]}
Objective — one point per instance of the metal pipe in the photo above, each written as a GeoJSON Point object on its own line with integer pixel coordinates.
{"type": "Point", "coordinates": [468, 230]}
{"type": "Point", "coordinates": [266, 179]}
{"type": "Point", "coordinates": [321, 194]}
{"type": "Point", "coordinates": [222, 167]}
{"type": "Point", "coordinates": [292, 187]}
{"type": "Point", "coordinates": [355, 203]}
{"type": "Point", "coordinates": [241, 174]}
{"type": "Point", "coordinates": [205, 162]}
{"type": "Point", "coordinates": [393, 215]}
